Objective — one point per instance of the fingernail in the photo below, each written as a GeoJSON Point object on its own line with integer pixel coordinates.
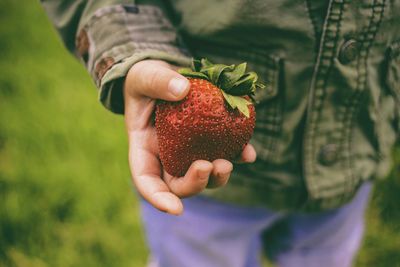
{"type": "Point", "coordinates": [177, 86]}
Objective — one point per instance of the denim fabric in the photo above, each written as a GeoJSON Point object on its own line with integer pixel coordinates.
{"type": "Point", "coordinates": [211, 233]}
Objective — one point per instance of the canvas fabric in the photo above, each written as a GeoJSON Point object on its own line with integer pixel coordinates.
{"type": "Point", "coordinates": [329, 116]}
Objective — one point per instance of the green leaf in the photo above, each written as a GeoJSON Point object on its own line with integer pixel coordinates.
{"type": "Point", "coordinates": [238, 102]}
{"type": "Point", "coordinates": [260, 86]}
{"type": "Point", "coordinates": [232, 79]}
{"type": "Point", "coordinates": [196, 65]}
{"type": "Point", "coordinates": [187, 72]}
{"type": "Point", "coordinates": [214, 71]}
{"type": "Point", "coordinates": [205, 63]}
{"type": "Point", "coordinates": [229, 78]}
{"type": "Point", "coordinates": [246, 85]}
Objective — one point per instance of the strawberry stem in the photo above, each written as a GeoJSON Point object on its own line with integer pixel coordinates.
{"type": "Point", "coordinates": [233, 80]}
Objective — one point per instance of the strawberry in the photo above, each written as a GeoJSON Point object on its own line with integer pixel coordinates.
{"type": "Point", "coordinates": [215, 120]}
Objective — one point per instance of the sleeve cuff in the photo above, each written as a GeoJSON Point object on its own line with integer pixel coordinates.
{"type": "Point", "coordinates": [116, 37]}
{"type": "Point", "coordinates": [110, 88]}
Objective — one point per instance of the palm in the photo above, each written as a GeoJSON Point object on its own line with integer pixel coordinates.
{"type": "Point", "coordinates": [143, 151]}
{"type": "Point", "coordinates": [162, 190]}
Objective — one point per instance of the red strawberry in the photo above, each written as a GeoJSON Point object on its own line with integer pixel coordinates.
{"type": "Point", "coordinates": [215, 120]}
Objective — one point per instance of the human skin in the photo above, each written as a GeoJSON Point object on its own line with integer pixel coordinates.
{"type": "Point", "coordinates": [145, 82]}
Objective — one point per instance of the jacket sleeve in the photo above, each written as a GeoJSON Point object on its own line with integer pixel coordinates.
{"type": "Point", "coordinates": [109, 36]}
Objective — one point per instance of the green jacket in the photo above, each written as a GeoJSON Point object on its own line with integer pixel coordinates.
{"type": "Point", "coordinates": [330, 115]}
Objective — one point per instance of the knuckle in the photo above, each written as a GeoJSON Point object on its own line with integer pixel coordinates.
{"type": "Point", "coordinates": [201, 185]}
{"type": "Point", "coordinates": [189, 190]}
{"type": "Point", "coordinates": [136, 69]}
{"type": "Point", "coordinates": [144, 75]}
{"type": "Point", "coordinates": [153, 76]}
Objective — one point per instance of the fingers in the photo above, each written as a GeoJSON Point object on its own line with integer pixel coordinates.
{"type": "Point", "coordinates": [248, 155]}
{"type": "Point", "coordinates": [194, 181]}
{"type": "Point", "coordinates": [157, 80]}
{"type": "Point", "coordinates": [156, 192]}
{"type": "Point", "coordinates": [220, 174]}
{"type": "Point", "coordinates": [200, 175]}
{"type": "Point", "coordinates": [146, 170]}
{"type": "Point", "coordinates": [165, 194]}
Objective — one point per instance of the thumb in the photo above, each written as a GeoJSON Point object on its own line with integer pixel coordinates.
{"type": "Point", "coordinates": [157, 80]}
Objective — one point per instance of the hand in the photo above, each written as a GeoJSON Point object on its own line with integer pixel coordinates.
{"type": "Point", "coordinates": [146, 81]}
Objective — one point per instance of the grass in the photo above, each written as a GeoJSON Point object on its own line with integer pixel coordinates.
{"type": "Point", "coordinates": [65, 191]}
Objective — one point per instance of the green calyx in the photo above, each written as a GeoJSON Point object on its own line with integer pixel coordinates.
{"type": "Point", "coordinates": [233, 80]}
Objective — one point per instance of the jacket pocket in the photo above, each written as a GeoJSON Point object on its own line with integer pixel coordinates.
{"type": "Point", "coordinates": [267, 66]}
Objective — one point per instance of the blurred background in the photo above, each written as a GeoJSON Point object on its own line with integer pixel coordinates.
{"type": "Point", "coordinates": [65, 190]}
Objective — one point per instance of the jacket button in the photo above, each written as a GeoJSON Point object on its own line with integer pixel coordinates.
{"type": "Point", "coordinates": [348, 51]}
{"type": "Point", "coordinates": [328, 154]}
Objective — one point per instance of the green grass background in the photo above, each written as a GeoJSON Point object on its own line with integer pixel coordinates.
{"type": "Point", "coordinates": [65, 191]}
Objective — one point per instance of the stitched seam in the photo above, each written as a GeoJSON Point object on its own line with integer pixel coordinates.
{"type": "Point", "coordinates": [353, 105]}
{"type": "Point", "coordinates": [361, 85]}
{"type": "Point", "coordinates": [317, 92]}
{"type": "Point", "coordinates": [313, 22]}
{"type": "Point", "coordinates": [123, 51]}
{"type": "Point", "coordinates": [257, 56]}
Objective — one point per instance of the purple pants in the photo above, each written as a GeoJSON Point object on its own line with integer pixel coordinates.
{"type": "Point", "coordinates": [214, 234]}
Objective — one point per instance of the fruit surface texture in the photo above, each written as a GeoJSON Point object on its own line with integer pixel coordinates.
{"type": "Point", "coordinates": [203, 125]}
